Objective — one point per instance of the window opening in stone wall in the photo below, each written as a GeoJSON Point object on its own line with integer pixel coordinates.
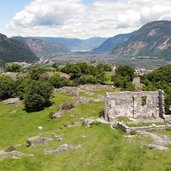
{"type": "Point", "coordinates": [143, 100]}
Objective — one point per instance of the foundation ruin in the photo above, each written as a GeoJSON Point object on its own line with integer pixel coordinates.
{"type": "Point", "coordinates": [147, 105]}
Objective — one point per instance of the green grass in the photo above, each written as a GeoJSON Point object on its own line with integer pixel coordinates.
{"type": "Point", "coordinates": [102, 148]}
{"type": "Point", "coordinates": [146, 124]}
{"type": "Point", "coordinates": [123, 119]}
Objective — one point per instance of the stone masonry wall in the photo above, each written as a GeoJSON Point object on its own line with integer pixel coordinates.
{"type": "Point", "coordinates": [144, 104]}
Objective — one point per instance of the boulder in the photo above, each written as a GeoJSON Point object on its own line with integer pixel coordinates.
{"type": "Point", "coordinates": [87, 122]}
{"type": "Point", "coordinates": [37, 141]}
{"type": "Point", "coordinates": [58, 114]}
{"type": "Point", "coordinates": [14, 101]}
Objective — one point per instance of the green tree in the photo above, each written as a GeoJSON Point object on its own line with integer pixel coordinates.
{"type": "Point", "coordinates": [104, 67]}
{"type": "Point", "coordinates": [55, 66]}
{"type": "Point", "coordinates": [125, 71]}
{"type": "Point", "coordinates": [73, 70]}
{"type": "Point", "coordinates": [37, 96]}
{"type": "Point", "coordinates": [7, 87]}
{"type": "Point", "coordinates": [14, 67]}
{"type": "Point", "coordinates": [57, 81]}
{"type": "Point", "coordinates": [39, 74]}
{"type": "Point", "coordinates": [88, 79]}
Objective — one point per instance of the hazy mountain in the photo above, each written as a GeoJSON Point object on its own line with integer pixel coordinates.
{"type": "Point", "coordinates": [43, 48]}
{"type": "Point", "coordinates": [74, 44]}
{"type": "Point", "coordinates": [13, 50]}
{"type": "Point", "coordinates": [112, 42]}
{"type": "Point", "coordinates": [151, 40]}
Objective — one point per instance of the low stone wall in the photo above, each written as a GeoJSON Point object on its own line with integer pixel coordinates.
{"type": "Point", "coordinates": [128, 130]}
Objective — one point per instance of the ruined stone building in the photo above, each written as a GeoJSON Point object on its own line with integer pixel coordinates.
{"type": "Point", "coordinates": [144, 104]}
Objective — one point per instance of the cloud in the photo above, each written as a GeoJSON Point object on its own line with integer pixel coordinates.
{"type": "Point", "coordinates": [74, 18]}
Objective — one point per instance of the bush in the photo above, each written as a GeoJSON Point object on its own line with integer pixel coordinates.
{"type": "Point", "coordinates": [7, 87]}
{"type": "Point", "coordinates": [39, 74]}
{"type": "Point", "coordinates": [125, 71]}
{"type": "Point", "coordinates": [88, 79]}
{"type": "Point", "coordinates": [72, 69]}
{"type": "Point", "coordinates": [57, 81]}
{"type": "Point", "coordinates": [67, 106]}
{"type": "Point", "coordinates": [104, 67]}
{"type": "Point", "coordinates": [13, 67]}
{"type": "Point", "coordinates": [37, 96]}
{"type": "Point", "coordinates": [55, 66]}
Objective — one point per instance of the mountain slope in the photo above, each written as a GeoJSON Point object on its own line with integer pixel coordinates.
{"type": "Point", "coordinates": [152, 40]}
{"type": "Point", "coordinates": [112, 42]}
{"type": "Point", "coordinates": [74, 44]}
{"type": "Point", "coordinates": [13, 50]}
{"type": "Point", "coordinates": [42, 48]}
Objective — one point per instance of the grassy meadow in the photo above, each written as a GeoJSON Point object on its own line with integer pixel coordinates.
{"type": "Point", "coordinates": [102, 148]}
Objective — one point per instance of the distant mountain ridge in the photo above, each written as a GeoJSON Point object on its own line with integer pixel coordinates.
{"type": "Point", "coordinates": [112, 42]}
{"type": "Point", "coordinates": [153, 40]}
{"type": "Point", "coordinates": [43, 48]}
{"type": "Point", "coordinates": [75, 44]}
{"type": "Point", "coordinates": [13, 50]}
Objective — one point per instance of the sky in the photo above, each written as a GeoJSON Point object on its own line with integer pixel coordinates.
{"type": "Point", "coordinates": [79, 18]}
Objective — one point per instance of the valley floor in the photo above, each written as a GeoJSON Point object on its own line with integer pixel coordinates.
{"type": "Point", "coordinates": [101, 148]}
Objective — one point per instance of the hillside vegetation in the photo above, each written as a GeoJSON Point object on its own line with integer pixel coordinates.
{"type": "Point", "coordinates": [12, 50]}
{"type": "Point", "coordinates": [42, 48]}
{"type": "Point", "coordinates": [112, 42]}
{"type": "Point", "coordinates": [153, 40]}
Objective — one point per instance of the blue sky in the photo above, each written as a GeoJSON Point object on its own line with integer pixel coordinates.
{"type": "Point", "coordinates": [79, 18]}
{"type": "Point", "coordinates": [9, 8]}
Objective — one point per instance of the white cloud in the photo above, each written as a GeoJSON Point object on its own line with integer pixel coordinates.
{"type": "Point", "coordinates": [73, 18]}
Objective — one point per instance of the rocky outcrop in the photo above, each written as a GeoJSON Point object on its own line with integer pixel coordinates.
{"type": "Point", "coordinates": [37, 141]}
{"type": "Point", "coordinates": [5, 154]}
{"type": "Point", "coordinates": [15, 101]}
{"type": "Point", "coordinates": [61, 149]}
{"type": "Point", "coordinates": [153, 40]}
{"type": "Point", "coordinates": [42, 48]}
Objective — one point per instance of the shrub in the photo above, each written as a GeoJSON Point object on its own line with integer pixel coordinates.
{"type": "Point", "coordinates": [104, 67]}
{"type": "Point", "coordinates": [125, 71]}
{"type": "Point", "coordinates": [55, 66]}
{"type": "Point", "coordinates": [13, 67]}
{"type": "Point", "coordinates": [37, 96]}
{"type": "Point", "coordinates": [39, 74]}
{"type": "Point", "coordinates": [57, 81]}
{"type": "Point", "coordinates": [7, 87]}
{"type": "Point", "coordinates": [88, 79]}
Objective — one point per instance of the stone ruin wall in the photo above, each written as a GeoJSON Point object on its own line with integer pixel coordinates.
{"type": "Point", "coordinates": [144, 104]}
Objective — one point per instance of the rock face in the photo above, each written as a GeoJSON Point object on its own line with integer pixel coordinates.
{"type": "Point", "coordinates": [152, 40]}
{"type": "Point", "coordinates": [74, 44]}
{"type": "Point", "coordinates": [112, 42]}
{"type": "Point", "coordinates": [42, 48]}
{"type": "Point", "coordinates": [146, 105]}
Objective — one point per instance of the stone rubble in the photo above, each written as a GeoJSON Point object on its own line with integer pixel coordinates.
{"type": "Point", "coordinates": [61, 149]}
{"type": "Point", "coordinates": [37, 141]}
